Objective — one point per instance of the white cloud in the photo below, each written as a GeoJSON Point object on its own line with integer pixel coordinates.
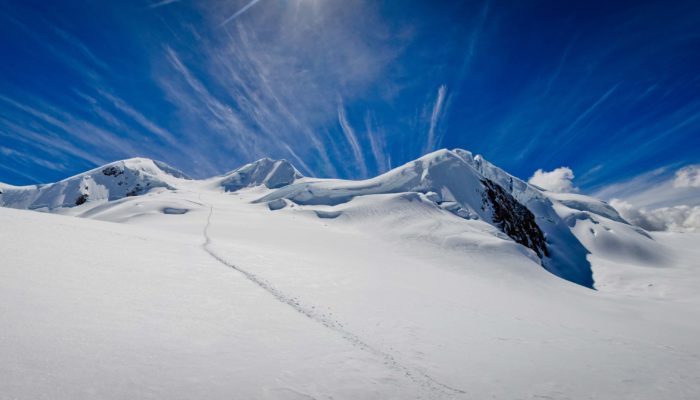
{"type": "Point", "coordinates": [687, 177]}
{"type": "Point", "coordinates": [435, 118]}
{"type": "Point", "coordinates": [162, 3]}
{"type": "Point", "coordinates": [377, 143]}
{"type": "Point", "coordinates": [659, 200]}
{"type": "Point", "coordinates": [351, 138]}
{"type": "Point", "coordinates": [557, 180]}
{"type": "Point", "coordinates": [658, 188]}
{"type": "Point", "coordinates": [677, 218]}
{"type": "Point", "coordinates": [239, 12]}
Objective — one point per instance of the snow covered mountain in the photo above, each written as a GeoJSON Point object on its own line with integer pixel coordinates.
{"type": "Point", "coordinates": [441, 278]}
{"type": "Point", "coordinates": [113, 181]}
{"type": "Point", "coordinates": [453, 181]}
{"type": "Point", "coordinates": [470, 188]}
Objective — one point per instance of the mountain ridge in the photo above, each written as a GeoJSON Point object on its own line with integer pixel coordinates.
{"type": "Point", "coordinates": [456, 181]}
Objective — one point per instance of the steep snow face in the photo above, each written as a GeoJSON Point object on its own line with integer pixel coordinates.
{"type": "Point", "coordinates": [470, 188]}
{"type": "Point", "coordinates": [271, 173]}
{"type": "Point", "coordinates": [568, 257]}
{"type": "Point", "coordinates": [586, 204]}
{"type": "Point", "coordinates": [113, 181]}
{"type": "Point", "coordinates": [626, 259]}
{"type": "Point", "coordinates": [604, 233]}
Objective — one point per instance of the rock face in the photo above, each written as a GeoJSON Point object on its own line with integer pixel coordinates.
{"type": "Point", "coordinates": [271, 173]}
{"type": "Point", "coordinates": [514, 219]}
{"type": "Point", "coordinates": [81, 199]}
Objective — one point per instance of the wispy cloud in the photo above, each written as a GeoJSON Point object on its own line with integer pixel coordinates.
{"type": "Point", "coordinates": [473, 41]}
{"type": "Point", "coordinates": [19, 172]}
{"type": "Point", "coordinates": [162, 3]}
{"type": "Point", "coordinates": [254, 81]}
{"type": "Point", "coordinates": [587, 112]}
{"type": "Point", "coordinates": [377, 144]}
{"type": "Point", "coordinates": [351, 138]}
{"type": "Point", "coordinates": [554, 76]}
{"type": "Point", "coordinates": [241, 87]}
{"type": "Point", "coordinates": [228, 123]}
{"type": "Point", "coordinates": [660, 187]}
{"type": "Point", "coordinates": [27, 159]}
{"type": "Point", "coordinates": [77, 127]}
{"type": "Point", "coordinates": [239, 12]}
{"type": "Point", "coordinates": [47, 142]}
{"type": "Point", "coordinates": [141, 119]}
{"type": "Point", "coordinates": [305, 168]}
{"type": "Point", "coordinates": [435, 116]}
{"type": "Point", "coordinates": [209, 88]}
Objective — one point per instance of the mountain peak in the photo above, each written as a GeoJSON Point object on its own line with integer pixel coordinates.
{"type": "Point", "coordinates": [147, 165]}
{"type": "Point", "coordinates": [265, 171]}
{"type": "Point", "coordinates": [471, 188]}
{"type": "Point", "coordinates": [113, 181]}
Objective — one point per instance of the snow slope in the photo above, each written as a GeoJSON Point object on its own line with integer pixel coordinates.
{"type": "Point", "coordinates": [271, 173]}
{"type": "Point", "coordinates": [464, 185]}
{"type": "Point", "coordinates": [403, 286]}
{"type": "Point", "coordinates": [627, 259]}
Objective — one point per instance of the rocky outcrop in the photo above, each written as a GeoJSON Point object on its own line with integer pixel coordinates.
{"type": "Point", "coordinates": [513, 218]}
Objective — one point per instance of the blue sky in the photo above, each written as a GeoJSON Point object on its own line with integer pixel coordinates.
{"type": "Point", "coordinates": [351, 88]}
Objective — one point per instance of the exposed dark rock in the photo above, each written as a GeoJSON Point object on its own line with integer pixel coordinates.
{"type": "Point", "coordinates": [81, 199]}
{"type": "Point", "coordinates": [112, 171]}
{"type": "Point", "coordinates": [135, 191]}
{"type": "Point", "coordinates": [513, 218]}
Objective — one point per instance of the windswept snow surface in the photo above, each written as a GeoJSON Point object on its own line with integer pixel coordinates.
{"type": "Point", "coordinates": [193, 291]}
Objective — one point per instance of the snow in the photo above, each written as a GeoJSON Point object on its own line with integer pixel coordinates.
{"type": "Point", "coordinates": [375, 289]}
{"type": "Point", "coordinates": [271, 173]}
{"type": "Point", "coordinates": [456, 179]}
{"type": "Point", "coordinates": [629, 260]}
{"type": "Point", "coordinates": [110, 182]}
